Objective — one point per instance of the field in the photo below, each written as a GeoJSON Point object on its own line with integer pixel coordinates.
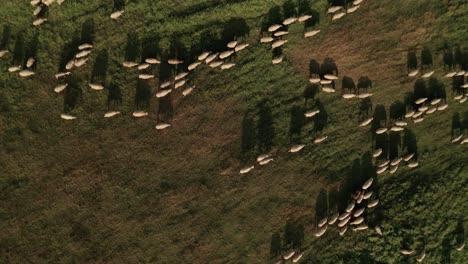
{"type": "Point", "coordinates": [116, 190]}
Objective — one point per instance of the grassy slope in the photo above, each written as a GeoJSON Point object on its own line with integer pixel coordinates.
{"type": "Point", "coordinates": [172, 196]}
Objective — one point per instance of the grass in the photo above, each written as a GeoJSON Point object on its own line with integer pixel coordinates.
{"type": "Point", "coordinates": [116, 191]}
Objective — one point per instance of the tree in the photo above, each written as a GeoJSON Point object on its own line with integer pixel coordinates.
{"type": "Point", "coordinates": [289, 9]}
{"type": "Point", "coordinates": [448, 58]}
{"type": "Point", "coordinates": [247, 136]}
{"type": "Point", "coordinates": [88, 32]}
{"type": "Point", "coordinates": [119, 5]}
{"type": "Point", "coordinates": [133, 47]}
{"type": "Point", "coordinates": [72, 95]}
{"type": "Point", "coordinates": [100, 67]}
{"type": "Point", "coordinates": [412, 60]}
{"type": "Point", "coordinates": [5, 37]}
{"type": "Point", "coordinates": [275, 245]}
{"type": "Point", "coordinates": [457, 126]}
{"type": "Point", "coordinates": [19, 51]}
{"type": "Point", "coordinates": [397, 110]}
{"type": "Point", "coordinates": [265, 127]}
{"type": "Point", "coordinates": [314, 68]}
{"type": "Point", "coordinates": [296, 123]}
{"type": "Point", "coordinates": [310, 91]}
{"type": "Point", "coordinates": [114, 97]}
{"type": "Point", "coordinates": [410, 143]}
{"type": "Point", "coordinates": [142, 95]}
{"type": "Point", "coordinates": [426, 57]}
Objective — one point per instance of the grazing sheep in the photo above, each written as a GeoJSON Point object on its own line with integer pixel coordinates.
{"type": "Point", "coordinates": [289, 255]}
{"type": "Point", "coordinates": [393, 169]}
{"type": "Point", "coordinates": [410, 114]}
{"type": "Point", "coordinates": [352, 9]}
{"type": "Point", "coordinates": [311, 113]}
{"type": "Point", "coordinates": [129, 64]}
{"type": "Point", "coordinates": [82, 54]}
{"type": "Point", "coordinates": [421, 256]}
{"type": "Point", "coordinates": [273, 28]}
{"type": "Point", "coordinates": [215, 64]}
{"type": "Point", "coordinates": [417, 114]}
{"type": "Point", "coordinates": [297, 257]}
{"type": "Point", "coordinates": [359, 212]}
{"type": "Point", "coordinates": [240, 47]}
{"type": "Point", "coordinates": [152, 61]}
{"type": "Point", "coordinates": [70, 65]}
{"type": "Point", "coordinates": [26, 73]}
{"type": "Point", "coordinates": [314, 80]}
{"type": "Point", "coordinates": [435, 101]}
{"type": "Point", "coordinates": [344, 221]}
{"type": "Point", "coordinates": [161, 126]}
{"type": "Point", "coordinates": [265, 161]}
{"type": "Point", "coordinates": [366, 122]}
{"type": "Point", "coordinates": [350, 207]}
{"type": "Point", "coordinates": [146, 76]}
{"type": "Point", "coordinates": [35, 2]}
{"type": "Point", "coordinates": [143, 66]}
{"type": "Point", "coordinates": [96, 87]}
{"type": "Point", "coordinates": [364, 95]}
{"type": "Point", "coordinates": [367, 195]}
{"type": "Point", "coordinates": [204, 55]}
{"type": "Point", "coordinates": [193, 66]}
{"type": "Point", "coordinates": [226, 54]}
{"type": "Point", "coordinates": [457, 138]}
{"type": "Point", "coordinates": [464, 141]}
{"type": "Point", "coordinates": [338, 16]}
{"type": "Point", "coordinates": [428, 74]}
{"type": "Point", "coordinates": [463, 100]}
{"type": "Point", "coordinates": [326, 82]}
{"type": "Point", "coordinates": [61, 74]}
{"type": "Point", "coordinates": [296, 148]}
{"type": "Point", "coordinates": [323, 222]}
{"type": "Point", "coordinates": [85, 46]}
{"type": "Point", "coordinates": [431, 110]}
{"type": "Point", "coordinates": [211, 58]}
{"type": "Point", "coordinates": [460, 73]}
{"type": "Point", "coordinates": [181, 75]}
{"type": "Point", "coordinates": [60, 88]}
{"type": "Point", "coordinates": [418, 120]}
{"type": "Point", "coordinates": [266, 40]}
{"type": "Point", "coordinates": [280, 33]}
{"type": "Point", "coordinates": [320, 140]}
{"type": "Point", "coordinates": [163, 93]}
{"type": "Point", "coordinates": [304, 18]}
{"type": "Point", "coordinates": [3, 52]}
{"type": "Point", "coordinates": [262, 157]}
{"type": "Point", "coordinates": [111, 114]}
{"type": "Point", "coordinates": [289, 21]}
{"type": "Point", "coordinates": [227, 66]}
{"type": "Point", "coordinates": [407, 252]}
{"type": "Point", "coordinates": [278, 43]}
{"type": "Point", "coordinates": [165, 84]}
{"type": "Point", "coordinates": [332, 219]}
{"type": "Point", "coordinates": [421, 100]}
{"type": "Point", "coordinates": [232, 44]}
{"type": "Point", "coordinates": [328, 90]}
{"type": "Point", "coordinates": [382, 170]}
{"type": "Point", "coordinates": [377, 153]}
{"type": "Point", "coordinates": [378, 230]}
{"type": "Point", "coordinates": [67, 117]}
{"type": "Point", "coordinates": [349, 96]}
{"type": "Point", "coordinates": [139, 114]}
{"type": "Point", "coordinates": [117, 14]}
{"type": "Point", "coordinates": [396, 161]}
{"type": "Point", "coordinates": [37, 10]}
{"type": "Point", "coordinates": [450, 74]}
{"type": "Point", "coordinates": [383, 163]}
{"type": "Point", "coordinates": [373, 203]}
{"type": "Point", "coordinates": [413, 73]}
{"type": "Point", "coordinates": [333, 9]}
{"type": "Point", "coordinates": [367, 184]}
{"type": "Point", "coordinates": [81, 62]}
{"type": "Point", "coordinates": [396, 129]}
{"type": "Point", "coordinates": [361, 227]}
{"type": "Point", "coordinates": [174, 62]}
{"type": "Point", "coordinates": [401, 123]}
{"type": "Point", "coordinates": [14, 68]}
{"type": "Point", "coordinates": [277, 60]}
{"type": "Point", "coordinates": [179, 84]}
{"type": "Point", "coordinates": [343, 216]}
{"type": "Point", "coordinates": [381, 130]}
{"type": "Point", "coordinates": [413, 164]}
{"type": "Point", "coordinates": [39, 21]}
{"type": "Point", "coordinates": [458, 97]}
{"type": "Point", "coordinates": [188, 90]}
{"type": "Point", "coordinates": [408, 157]}
{"type": "Point", "coordinates": [246, 169]}
{"type": "Point", "coordinates": [311, 33]}
{"type": "Point", "coordinates": [423, 109]}
{"type": "Point", "coordinates": [343, 230]}
{"type": "Point", "coordinates": [460, 246]}
{"type": "Point", "coordinates": [357, 221]}
{"type": "Point", "coordinates": [321, 231]}
{"type": "Point", "coordinates": [357, 2]}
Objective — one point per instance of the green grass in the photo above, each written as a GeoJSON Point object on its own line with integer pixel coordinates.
{"type": "Point", "coordinates": [116, 191]}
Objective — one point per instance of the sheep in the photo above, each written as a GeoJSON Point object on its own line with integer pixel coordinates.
{"type": "Point", "coordinates": [396, 129]}
{"type": "Point", "coordinates": [458, 97]}
{"type": "Point", "coordinates": [357, 2]}
{"type": "Point", "coordinates": [262, 157]}
{"type": "Point", "coordinates": [152, 61]}
{"type": "Point", "coordinates": [265, 161]}
{"type": "Point", "coordinates": [240, 47]}
{"type": "Point", "coordinates": [417, 114]}
{"type": "Point", "coordinates": [246, 169]}
{"type": "Point", "coordinates": [61, 74]}
{"type": "Point", "coordinates": [359, 212]}
{"type": "Point", "coordinates": [393, 169]}
{"type": "Point", "coordinates": [332, 219]}
{"type": "Point", "coordinates": [421, 100]}
{"type": "Point", "coordinates": [418, 120]}
{"type": "Point", "coordinates": [14, 68]}
{"type": "Point", "coordinates": [364, 95]}
{"type": "Point", "coordinates": [461, 73]}
{"type": "Point", "coordinates": [396, 161]}
{"type": "Point", "coordinates": [26, 73]}
{"type": "Point", "coordinates": [428, 74]}
{"type": "Point", "coordinates": [289, 255]}
{"type": "Point", "coordinates": [204, 55]}
{"type": "Point", "coordinates": [215, 64]}
{"type": "Point", "coordinates": [361, 227]}
{"type": "Point", "coordinates": [70, 65]}
{"type": "Point", "coordinates": [289, 21]}
{"type": "Point", "coordinates": [320, 140]}
{"type": "Point", "coordinates": [139, 114]}
{"type": "Point", "coordinates": [277, 60]}
{"type": "Point", "coordinates": [343, 230]}
{"type": "Point", "coordinates": [35, 2]}
{"type": "Point", "coordinates": [67, 117]}
{"type": "Point", "coordinates": [460, 246]}
{"type": "Point", "coordinates": [117, 14]}
{"type": "Point", "coordinates": [273, 28]}
{"type": "Point", "coordinates": [367, 195]}
{"type": "Point", "coordinates": [435, 101]}
{"type": "Point", "coordinates": [377, 153]}
{"type": "Point", "coordinates": [165, 84]}
{"type": "Point", "coordinates": [407, 252]}
{"type": "Point", "coordinates": [181, 75]}
{"type": "Point", "coordinates": [311, 33]}
{"type": "Point", "coordinates": [367, 184]}
{"type": "Point", "coordinates": [311, 113]}
{"type": "Point", "coordinates": [321, 231]}
{"type": "Point", "coordinates": [381, 130]}
{"type": "Point", "coordinates": [423, 109]}
{"type": "Point", "coordinates": [162, 126]}
{"type": "Point", "coordinates": [296, 148]}
{"type": "Point", "coordinates": [80, 62]}
{"type": "Point", "coordinates": [325, 82]}
{"type": "Point", "coordinates": [193, 66]}
{"type": "Point", "coordinates": [408, 157]}
{"type": "Point", "coordinates": [211, 58]}
{"type": "Point", "coordinates": [401, 123]}
{"type": "Point", "coordinates": [410, 114]}
{"type": "Point", "coordinates": [464, 141]}
{"type": "Point", "coordinates": [188, 90]}
{"type": "Point", "coordinates": [278, 43]}
{"type": "Point", "coordinates": [37, 10]}
{"type": "Point", "coordinates": [96, 87]}
{"type": "Point", "coordinates": [39, 21]}
{"type": "Point", "coordinates": [266, 40]}
{"type": "Point", "coordinates": [60, 88]}
{"type": "Point", "coordinates": [82, 54]}
{"type": "Point", "coordinates": [227, 66]}
{"type": "Point", "coordinates": [232, 44]}
{"type": "Point", "coordinates": [383, 163]}
{"type": "Point", "coordinates": [338, 16]}
{"type": "Point", "coordinates": [366, 122]}
{"type": "Point", "coordinates": [111, 114]}
{"type": "Point", "coordinates": [297, 257]}
{"type": "Point", "coordinates": [3, 52]}
{"type": "Point", "coordinates": [179, 84]}
{"type": "Point", "coordinates": [413, 164]}
{"type": "Point", "coordinates": [344, 221]}
{"type": "Point", "coordinates": [314, 80]}
{"type": "Point", "coordinates": [143, 66]}
{"type": "Point", "coordinates": [304, 18]}
{"type": "Point", "coordinates": [350, 207]}
{"type": "Point", "coordinates": [455, 140]}
{"type": "Point", "coordinates": [463, 100]}
{"type": "Point", "coordinates": [85, 46]}
{"type": "Point", "coordinates": [450, 74]}
{"type": "Point", "coordinates": [378, 230]}
{"type": "Point", "coordinates": [349, 96]}
{"type": "Point", "coordinates": [413, 73]}
{"type": "Point", "coordinates": [343, 216]}
{"type": "Point", "coordinates": [333, 9]}
{"type": "Point", "coordinates": [129, 64]}
{"type": "Point", "coordinates": [352, 9]}
{"type": "Point", "coordinates": [357, 221]}
{"type": "Point", "coordinates": [280, 33]}
{"type": "Point", "coordinates": [226, 54]}
{"type": "Point", "coordinates": [373, 203]}
{"type": "Point", "coordinates": [421, 256]}
{"type": "Point", "coordinates": [323, 222]}
{"type": "Point", "coordinates": [381, 170]}
{"type": "Point", "coordinates": [145, 76]}
{"type": "Point", "coordinates": [174, 62]}
{"type": "Point", "coordinates": [431, 110]}
{"type": "Point", "coordinates": [163, 93]}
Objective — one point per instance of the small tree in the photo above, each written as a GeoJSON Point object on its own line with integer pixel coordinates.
{"type": "Point", "coordinates": [412, 60]}
{"type": "Point", "coordinates": [100, 67]}
{"type": "Point", "coordinates": [133, 47]}
{"type": "Point", "coordinates": [19, 51]}
{"type": "Point", "coordinates": [247, 136]}
{"type": "Point", "coordinates": [5, 37]}
{"type": "Point", "coordinates": [88, 32]}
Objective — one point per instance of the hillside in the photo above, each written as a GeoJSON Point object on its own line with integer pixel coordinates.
{"type": "Point", "coordinates": [116, 190]}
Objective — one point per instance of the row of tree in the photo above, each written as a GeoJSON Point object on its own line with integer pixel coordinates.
{"type": "Point", "coordinates": [293, 237]}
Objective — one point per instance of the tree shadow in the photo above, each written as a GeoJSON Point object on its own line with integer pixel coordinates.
{"type": "Point", "coordinates": [321, 205]}
{"type": "Point", "coordinates": [310, 92]}
{"type": "Point", "coordinates": [142, 95]}
{"type": "Point", "coordinates": [364, 83]}
{"type": "Point", "coordinates": [114, 97]}
{"type": "Point", "coordinates": [297, 121]}
{"type": "Point", "coordinates": [321, 119]}
{"type": "Point", "coordinates": [365, 106]}
{"type": "Point", "coordinates": [410, 143]}
{"type": "Point", "coordinates": [347, 84]}
{"type": "Point", "coordinates": [274, 16]}
{"type": "Point", "coordinates": [73, 94]}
